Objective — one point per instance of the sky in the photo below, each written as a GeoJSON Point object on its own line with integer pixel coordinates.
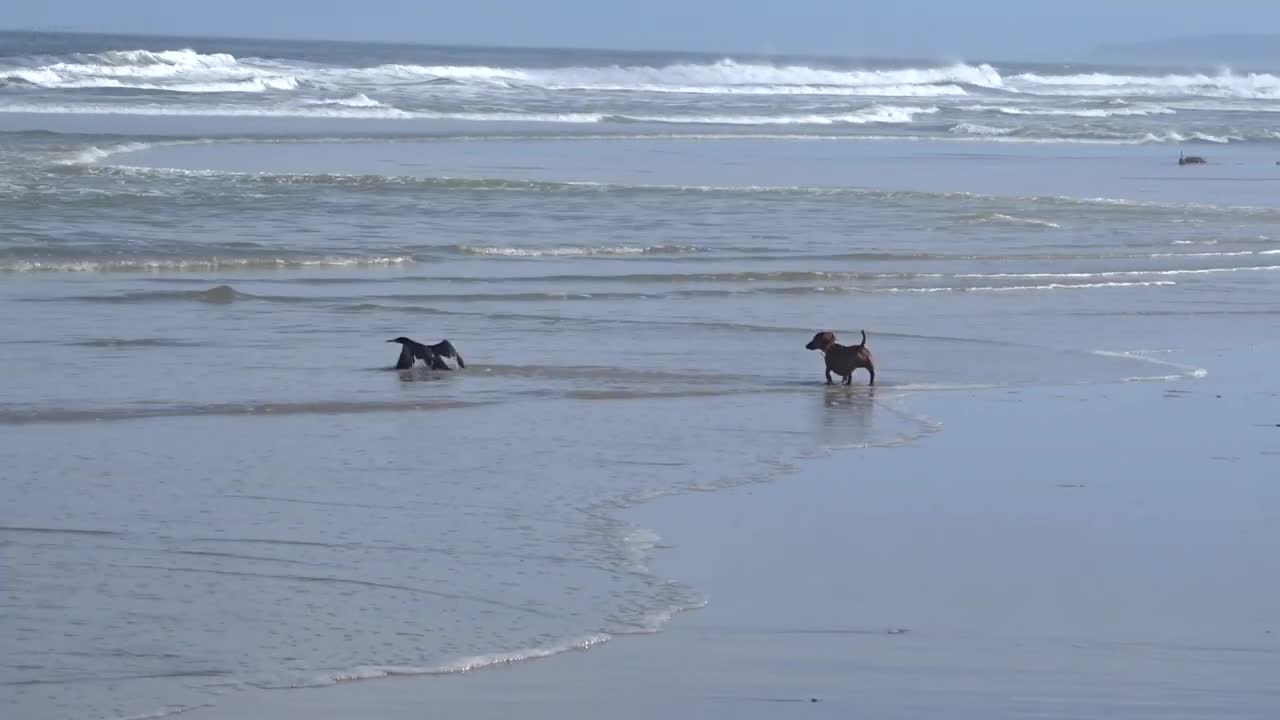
{"type": "Point", "coordinates": [943, 29]}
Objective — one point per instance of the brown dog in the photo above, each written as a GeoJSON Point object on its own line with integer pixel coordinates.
{"type": "Point", "coordinates": [843, 359]}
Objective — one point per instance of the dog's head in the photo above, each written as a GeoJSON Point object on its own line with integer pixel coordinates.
{"type": "Point", "coordinates": [821, 341]}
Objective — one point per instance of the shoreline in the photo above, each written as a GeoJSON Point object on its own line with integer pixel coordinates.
{"type": "Point", "coordinates": [1038, 510]}
{"type": "Point", "coordinates": [1092, 619]}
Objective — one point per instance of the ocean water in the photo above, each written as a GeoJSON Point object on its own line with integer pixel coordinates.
{"type": "Point", "coordinates": [213, 480]}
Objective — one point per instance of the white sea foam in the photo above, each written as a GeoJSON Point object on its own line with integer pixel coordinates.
{"type": "Point", "coordinates": [967, 128]}
{"type": "Point", "coordinates": [1174, 136]}
{"type": "Point", "coordinates": [655, 620]}
{"type": "Point", "coordinates": [461, 665]}
{"type": "Point", "coordinates": [1014, 220]}
{"type": "Point", "coordinates": [143, 68]}
{"type": "Point", "coordinates": [888, 114]}
{"type": "Point", "coordinates": [638, 544]}
{"type": "Point", "coordinates": [185, 70]}
{"type": "Point", "coordinates": [624, 250]}
{"type": "Point", "coordinates": [175, 70]}
{"type": "Point", "coordinates": [223, 85]}
{"type": "Point", "coordinates": [167, 712]}
{"type": "Point", "coordinates": [1184, 371]}
{"type": "Point", "coordinates": [162, 110]}
{"type": "Point", "coordinates": [1223, 85]}
{"type": "Point", "coordinates": [249, 85]}
{"type": "Point", "coordinates": [93, 153]}
{"type": "Point", "coordinates": [360, 109]}
{"type": "Point", "coordinates": [246, 85]}
{"type": "Point", "coordinates": [1113, 273]}
{"type": "Point", "coordinates": [877, 115]}
{"type": "Point", "coordinates": [887, 91]}
{"type": "Point", "coordinates": [1072, 286]}
{"type": "Point", "coordinates": [359, 100]}
{"type": "Point", "coordinates": [1085, 112]}
{"type": "Point", "coordinates": [196, 264]}
{"type": "Point", "coordinates": [1082, 136]}
{"type": "Point", "coordinates": [1047, 286]}
{"type": "Point", "coordinates": [1085, 137]}
{"type": "Point", "coordinates": [1234, 253]}
{"type": "Point", "coordinates": [727, 76]}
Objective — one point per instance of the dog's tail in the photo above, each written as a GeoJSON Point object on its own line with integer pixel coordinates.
{"type": "Point", "coordinates": [864, 339]}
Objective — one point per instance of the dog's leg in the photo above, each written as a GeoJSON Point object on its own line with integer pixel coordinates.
{"type": "Point", "coordinates": [848, 379]}
{"type": "Point", "coordinates": [829, 377]}
{"type": "Point", "coordinates": [871, 368]}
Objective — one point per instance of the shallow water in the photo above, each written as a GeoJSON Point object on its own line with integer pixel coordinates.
{"type": "Point", "coordinates": [215, 481]}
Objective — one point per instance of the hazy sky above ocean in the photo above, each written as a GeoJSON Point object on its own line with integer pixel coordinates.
{"type": "Point", "coordinates": [1000, 29]}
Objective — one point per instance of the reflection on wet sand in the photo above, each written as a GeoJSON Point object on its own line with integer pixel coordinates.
{"type": "Point", "coordinates": [847, 416]}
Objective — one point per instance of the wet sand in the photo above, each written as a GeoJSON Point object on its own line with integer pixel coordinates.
{"type": "Point", "coordinates": [1078, 552]}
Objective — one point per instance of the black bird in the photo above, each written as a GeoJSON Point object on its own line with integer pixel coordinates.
{"type": "Point", "coordinates": [1190, 159]}
{"type": "Point", "coordinates": [431, 355]}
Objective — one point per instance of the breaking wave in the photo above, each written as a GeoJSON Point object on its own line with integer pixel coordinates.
{"type": "Point", "coordinates": [173, 70]}
{"type": "Point", "coordinates": [1100, 136]}
{"type": "Point", "coordinates": [982, 130]}
{"type": "Point", "coordinates": [93, 153]}
{"type": "Point", "coordinates": [874, 114]}
{"type": "Point", "coordinates": [1226, 84]}
{"type": "Point", "coordinates": [1038, 104]}
{"type": "Point", "coordinates": [359, 100]}
{"type": "Point", "coordinates": [1080, 112]}
{"type": "Point", "coordinates": [191, 71]}
{"type": "Point", "coordinates": [361, 107]}
{"type": "Point", "coordinates": [223, 110]}
{"type": "Point", "coordinates": [724, 76]}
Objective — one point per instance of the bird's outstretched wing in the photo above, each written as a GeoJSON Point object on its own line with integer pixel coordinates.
{"type": "Point", "coordinates": [406, 358]}
{"type": "Point", "coordinates": [445, 348]}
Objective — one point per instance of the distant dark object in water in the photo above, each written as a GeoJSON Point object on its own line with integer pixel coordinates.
{"type": "Point", "coordinates": [1190, 159]}
{"type": "Point", "coordinates": [431, 355]}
